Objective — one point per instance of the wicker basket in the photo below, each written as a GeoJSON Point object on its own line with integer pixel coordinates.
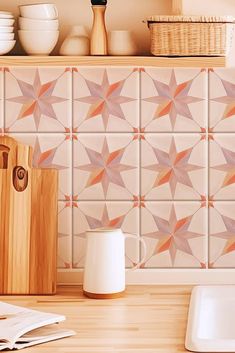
{"type": "Point", "coordinates": [191, 35]}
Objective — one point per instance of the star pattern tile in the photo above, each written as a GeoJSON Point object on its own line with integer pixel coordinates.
{"type": "Point", "coordinates": [222, 167]}
{"type": "Point", "coordinates": [228, 100]}
{"type": "Point", "coordinates": [222, 234]}
{"type": "Point", "coordinates": [37, 100]}
{"type": "Point", "coordinates": [107, 169]}
{"type": "Point", "coordinates": [228, 235]}
{"type": "Point", "coordinates": [172, 167]}
{"type": "Point", "coordinates": [173, 234]}
{"type": "Point", "coordinates": [173, 99]}
{"type": "Point", "coordinates": [105, 99]}
{"type": "Point", "coordinates": [228, 167]}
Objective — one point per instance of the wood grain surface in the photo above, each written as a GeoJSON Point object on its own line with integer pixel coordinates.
{"type": "Point", "coordinates": [148, 319]}
{"type": "Point", "coordinates": [28, 222]}
{"type": "Point", "coordinates": [99, 42]}
{"type": "Point", "coordinates": [140, 61]}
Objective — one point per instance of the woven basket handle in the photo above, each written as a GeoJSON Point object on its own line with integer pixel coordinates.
{"type": "Point", "coordinates": [177, 7]}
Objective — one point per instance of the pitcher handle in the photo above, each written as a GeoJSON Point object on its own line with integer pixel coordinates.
{"type": "Point", "coordinates": [127, 235]}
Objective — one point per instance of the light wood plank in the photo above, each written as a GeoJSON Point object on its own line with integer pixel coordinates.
{"type": "Point", "coordinates": [28, 222]}
{"type": "Point", "coordinates": [177, 7]}
{"type": "Point", "coordinates": [19, 230]}
{"type": "Point", "coordinates": [149, 319]}
{"type": "Point", "coordinates": [113, 60]}
{"type": "Point", "coordinates": [43, 240]}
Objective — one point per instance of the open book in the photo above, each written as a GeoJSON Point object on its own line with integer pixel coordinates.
{"type": "Point", "coordinates": [21, 327]}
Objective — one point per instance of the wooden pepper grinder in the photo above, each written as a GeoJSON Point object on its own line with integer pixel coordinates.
{"type": "Point", "coordinates": [99, 42]}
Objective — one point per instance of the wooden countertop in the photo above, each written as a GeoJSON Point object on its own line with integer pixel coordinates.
{"type": "Point", "coordinates": [149, 319]}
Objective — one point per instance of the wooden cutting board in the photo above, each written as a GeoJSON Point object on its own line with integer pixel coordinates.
{"type": "Point", "coordinates": [28, 222]}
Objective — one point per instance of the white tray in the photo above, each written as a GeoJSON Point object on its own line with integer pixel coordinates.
{"type": "Point", "coordinates": [211, 319]}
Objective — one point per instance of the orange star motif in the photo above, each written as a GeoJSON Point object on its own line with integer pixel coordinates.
{"type": "Point", "coordinates": [229, 99]}
{"type": "Point", "coordinates": [105, 167]}
{"type": "Point", "coordinates": [173, 99]}
{"type": "Point", "coordinates": [228, 235]}
{"type": "Point", "coordinates": [37, 99]}
{"type": "Point", "coordinates": [172, 167]}
{"type": "Point", "coordinates": [173, 235]}
{"type": "Point", "coordinates": [105, 99]}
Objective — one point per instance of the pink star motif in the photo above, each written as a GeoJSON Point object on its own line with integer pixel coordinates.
{"type": "Point", "coordinates": [173, 167]}
{"type": "Point", "coordinates": [105, 167]}
{"type": "Point", "coordinates": [228, 168]}
{"type": "Point", "coordinates": [173, 99]}
{"type": "Point", "coordinates": [37, 99]}
{"type": "Point", "coordinates": [45, 159]}
{"type": "Point", "coordinates": [105, 221]}
{"type": "Point", "coordinates": [173, 235]}
{"type": "Point", "coordinates": [105, 99]}
{"type": "Point", "coordinates": [229, 99]}
{"type": "Point", "coordinates": [229, 235]}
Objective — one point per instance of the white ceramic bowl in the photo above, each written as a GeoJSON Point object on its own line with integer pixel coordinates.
{"type": "Point", "coordinates": [6, 46]}
{"type": "Point", "coordinates": [6, 36]}
{"type": "Point", "coordinates": [6, 29]}
{"type": "Point", "coordinates": [31, 24]}
{"type": "Point", "coordinates": [39, 11]}
{"type": "Point", "coordinates": [6, 22]}
{"type": "Point", "coordinates": [6, 14]}
{"type": "Point", "coordinates": [38, 42]}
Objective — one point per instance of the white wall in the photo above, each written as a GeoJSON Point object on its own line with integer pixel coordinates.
{"type": "Point", "coordinates": [121, 14]}
{"type": "Point", "coordinates": [212, 7]}
{"type": "Point", "coordinates": [209, 7]}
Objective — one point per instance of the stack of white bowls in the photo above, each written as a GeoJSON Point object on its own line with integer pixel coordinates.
{"type": "Point", "coordinates": [7, 41]}
{"type": "Point", "coordinates": [38, 28]}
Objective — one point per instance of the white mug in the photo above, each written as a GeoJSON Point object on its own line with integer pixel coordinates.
{"type": "Point", "coordinates": [39, 11]}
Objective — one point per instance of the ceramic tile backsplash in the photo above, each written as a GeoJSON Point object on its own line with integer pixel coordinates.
{"type": "Point", "coordinates": [95, 214]}
{"type": "Point", "coordinates": [222, 100]}
{"type": "Point", "coordinates": [64, 259]}
{"type": "Point", "coordinates": [106, 166]}
{"type": "Point", "coordinates": [173, 100]}
{"type": "Point", "coordinates": [105, 99]}
{"type": "Point", "coordinates": [175, 233]}
{"type": "Point", "coordinates": [222, 234]}
{"type": "Point", "coordinates": [133, 150]}
{"type": "Point", "coordinates": [52, 151]}
{"type": "Point", "coordinates": [222, 166]}
{"type": "Point", "coordinates": [173, 166]}
{"type": "Point", "coordinates": [38, 99]}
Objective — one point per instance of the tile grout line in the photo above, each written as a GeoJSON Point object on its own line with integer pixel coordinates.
{"type": "Point", "coordinates": [208, 170]}
{"type": "Point", "coordinates": [140, 162]}
{"type": "Point", "coordinates": [117, 133]}
{"type": "Point", "coordinates": [72, 169]}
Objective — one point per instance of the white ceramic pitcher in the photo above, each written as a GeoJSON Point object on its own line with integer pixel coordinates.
{"type": "Point", "coordinates": [104, 272]}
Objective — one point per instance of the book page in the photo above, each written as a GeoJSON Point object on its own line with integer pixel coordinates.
{"type": "Point", "coordinates": [42, 335]}
{"type": "Point", "coordinates": [16, 321]}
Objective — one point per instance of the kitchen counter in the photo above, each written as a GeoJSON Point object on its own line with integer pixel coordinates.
{"type": "Point", "coordinates": [149, 319]}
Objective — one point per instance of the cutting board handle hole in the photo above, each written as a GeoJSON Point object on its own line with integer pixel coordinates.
{"type": "Point", "coordinates": [4, 151]}
{"type": "Point", "coordinates": [20, 178]}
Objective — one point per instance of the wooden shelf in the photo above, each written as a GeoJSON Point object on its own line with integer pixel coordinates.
{"type": "Point", "coordinates": [139, 61]}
